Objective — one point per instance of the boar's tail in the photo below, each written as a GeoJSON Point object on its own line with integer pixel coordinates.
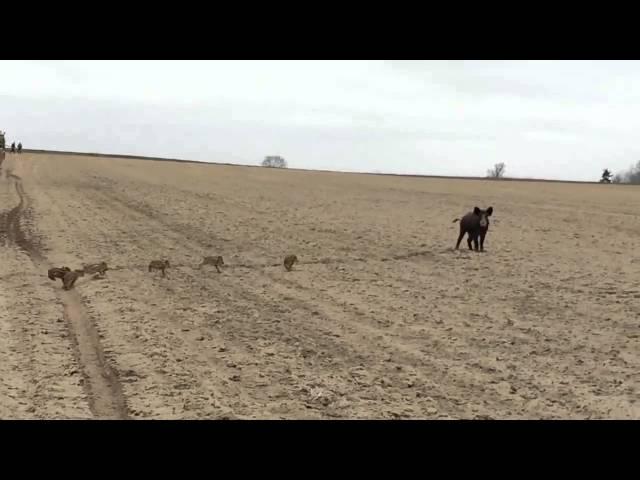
{"type": "Point", "coordinates": [456, 220]}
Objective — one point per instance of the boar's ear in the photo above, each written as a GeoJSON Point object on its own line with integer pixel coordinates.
{"type": "Point", "coordinates": [476, 210]}
{"type": "Point", "coordinates": [489, 211]}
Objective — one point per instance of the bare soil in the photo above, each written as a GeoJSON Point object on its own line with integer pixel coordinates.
{"type": "Point", "coordinates": [381, 317]}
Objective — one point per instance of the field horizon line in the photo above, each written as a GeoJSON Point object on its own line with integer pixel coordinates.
{"type": "Point", "coordinates": [408, 175]}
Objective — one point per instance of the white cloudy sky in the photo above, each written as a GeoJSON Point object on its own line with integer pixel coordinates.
{"type": "Point", "coordinates": [552, 119]}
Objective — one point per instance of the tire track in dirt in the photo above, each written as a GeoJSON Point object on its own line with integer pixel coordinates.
{"type": "Point", "coordinates": [449, 367]}
{"type": "Point", "coordinates": [185, 230]}
{"type": "Point", "coordinates": [238, 317]}
{"type": "Point", "coordinates": [243, 334]}
{"type": "Point", "coordinates": [312, 337]}
{"type": "Point", "coordinates": [318, 328]}
{"type": "Point", "coordinates": [463, 379]}
{"type": "Point", "coordinates": [316, 332]}
{"type": "Point", "coordinates": [246, 220]}
{"type": "Point", "coordinates": [216, 381]}
{"type": "Point", "coordinates": [424, 369]}
{"type": "Point", "coordinates": [102, 385]}
{"type": "Point", "coordinates": [459, 379]}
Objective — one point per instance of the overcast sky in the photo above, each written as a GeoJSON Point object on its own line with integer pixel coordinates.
{"type": "Point", "coordinates": [551, 119]}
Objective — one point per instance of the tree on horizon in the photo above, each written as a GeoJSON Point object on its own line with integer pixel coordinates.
{"type": "Point", "coordinates": [497, 171]}
{"type": "Point", "coordinates": [274, 161]}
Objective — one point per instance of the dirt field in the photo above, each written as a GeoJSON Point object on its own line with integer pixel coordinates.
{"type": "Point", "coordinates": [380, 319]}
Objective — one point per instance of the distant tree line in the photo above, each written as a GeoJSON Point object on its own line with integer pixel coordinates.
{"type": "Point", "coordinates": [631, 175]}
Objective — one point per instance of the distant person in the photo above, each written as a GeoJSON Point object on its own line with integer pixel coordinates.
{"type": "Point", "coordinates": [13, 147]}
{"type": "Point", "coordinates": [19, 147]}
